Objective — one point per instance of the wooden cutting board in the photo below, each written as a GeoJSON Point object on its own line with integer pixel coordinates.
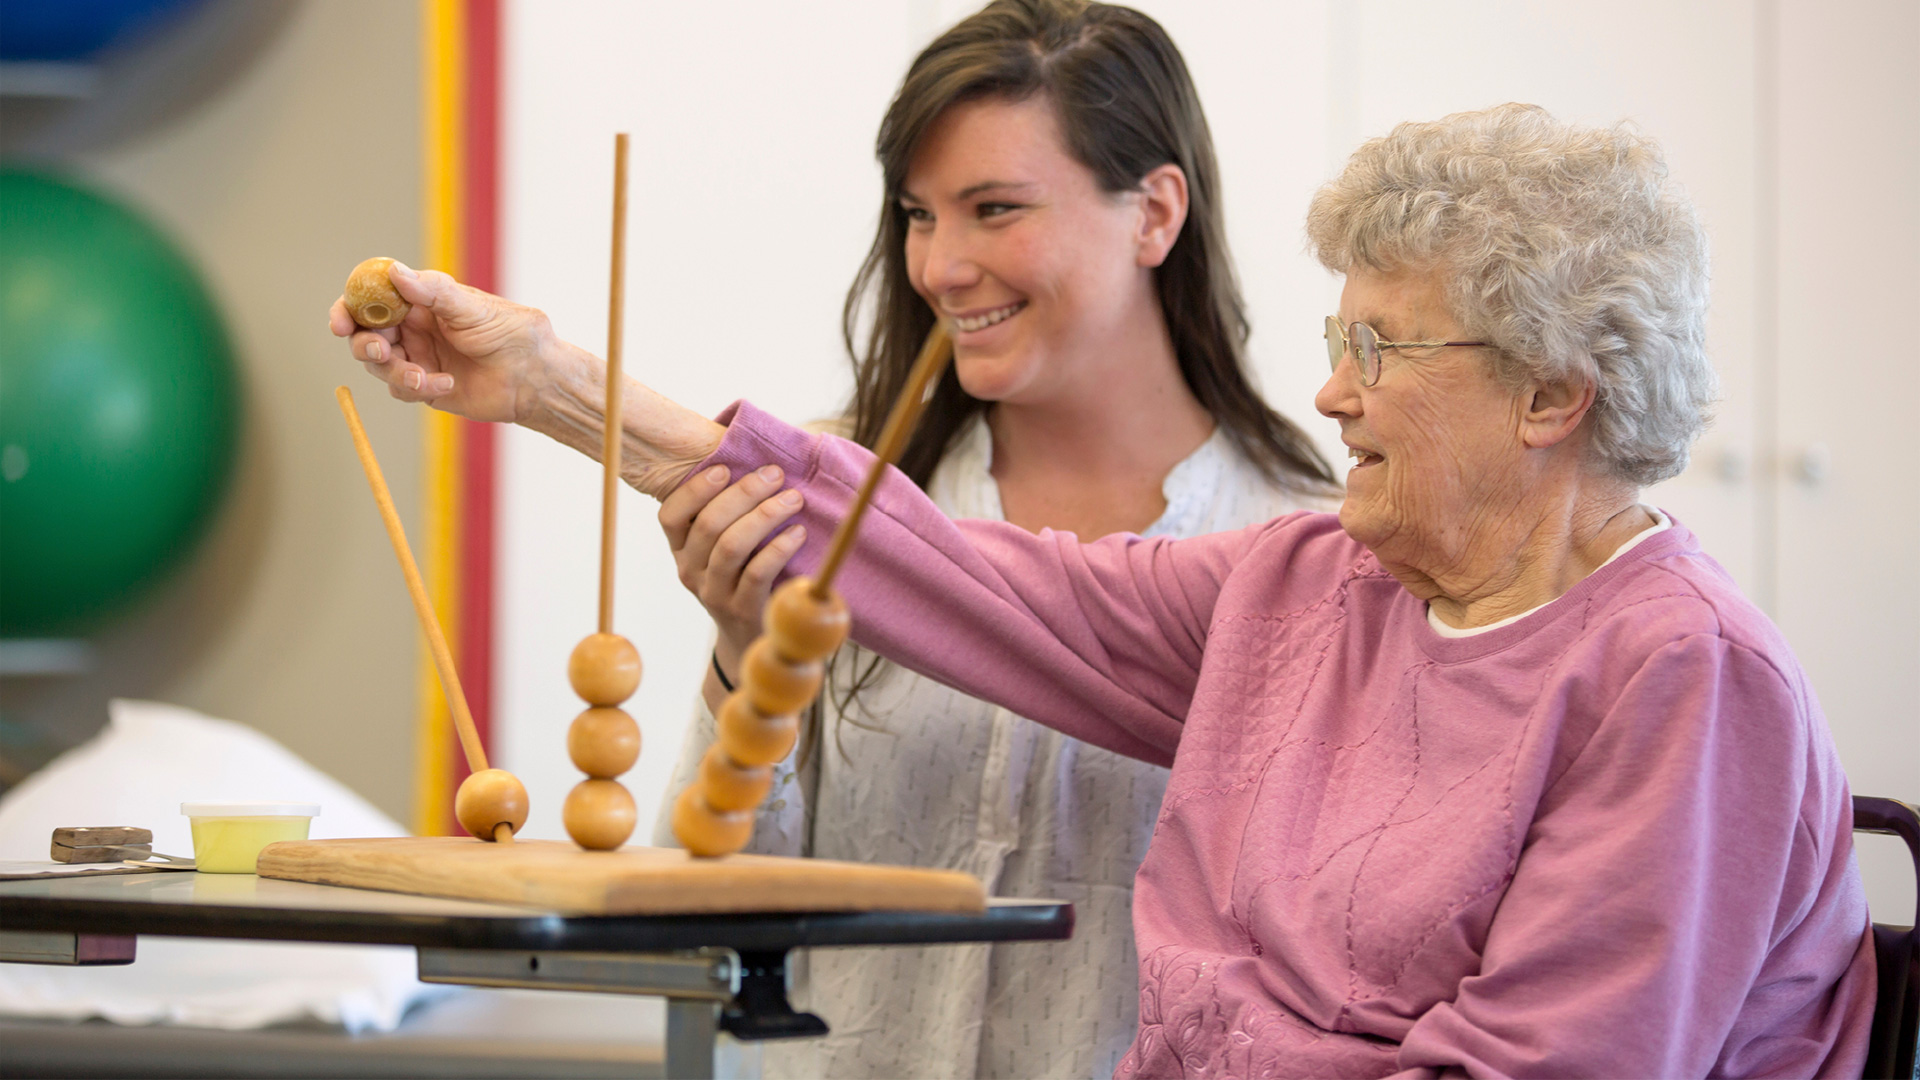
{"type": "Point", "coordinates": [558, 876]}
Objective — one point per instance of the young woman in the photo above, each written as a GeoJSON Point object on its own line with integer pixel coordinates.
{"type": "Point", "coordinates": [1050, 190]}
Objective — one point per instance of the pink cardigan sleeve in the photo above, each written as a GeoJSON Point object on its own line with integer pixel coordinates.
{"type": "Point", "coordinates": [1101, 641]}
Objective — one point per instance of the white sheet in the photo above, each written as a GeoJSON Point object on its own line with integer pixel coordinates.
{"type": "Point", "coordinates": [137, 771]}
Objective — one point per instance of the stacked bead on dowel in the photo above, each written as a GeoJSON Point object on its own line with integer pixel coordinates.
{"type": "Point", "coordinates": [758, 723]}
{"type": "Point", "coordinates": [603, 742]}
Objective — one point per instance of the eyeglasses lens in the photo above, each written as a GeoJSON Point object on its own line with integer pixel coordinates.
{"type": "Point", "coordinates": [1366, 347]}
{"type": "Point", "coordinates": [1336, 342]}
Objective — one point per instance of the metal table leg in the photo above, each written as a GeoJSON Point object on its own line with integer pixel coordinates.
{"type": "Point", "coordinates": [693, 1026]}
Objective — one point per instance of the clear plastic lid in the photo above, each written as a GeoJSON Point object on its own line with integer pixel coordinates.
{"type": "Point", "coordinates": [250, 809]}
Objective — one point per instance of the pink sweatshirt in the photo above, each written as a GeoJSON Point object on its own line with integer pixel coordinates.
{"type": "Point", "coordinates": [1612, 838]}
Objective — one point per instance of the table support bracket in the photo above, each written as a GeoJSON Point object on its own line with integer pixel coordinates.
{"type": "Point", "coordinates": [761, 1010]}
{"type": "Point", "coordinates": [708, 991]}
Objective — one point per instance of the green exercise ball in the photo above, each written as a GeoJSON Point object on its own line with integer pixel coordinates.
{"type": "Point", "coordinates": [119, 407]}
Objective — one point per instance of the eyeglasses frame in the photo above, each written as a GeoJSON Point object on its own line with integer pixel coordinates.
{"type": "Point", "coordinates": [1359, 364]}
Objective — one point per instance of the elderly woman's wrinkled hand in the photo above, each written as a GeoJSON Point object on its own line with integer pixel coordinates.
{"type": "Point", "coordinates": [459, 349]}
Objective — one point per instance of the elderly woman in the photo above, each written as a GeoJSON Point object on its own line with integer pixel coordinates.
{"type": "Point", "coordinates": [1495, 773]}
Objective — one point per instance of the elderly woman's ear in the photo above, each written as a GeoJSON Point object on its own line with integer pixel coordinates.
{"type": "Point", "coordinates": [1555, 411]}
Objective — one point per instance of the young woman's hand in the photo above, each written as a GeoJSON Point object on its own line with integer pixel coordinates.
{"type": "Point", "coordinates": [459, 349]}
{"type": "Point", "coordinates": [717, 531]}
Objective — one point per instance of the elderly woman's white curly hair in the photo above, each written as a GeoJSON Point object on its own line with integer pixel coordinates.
{"type": "Point", "coordinates": [1566, 247]}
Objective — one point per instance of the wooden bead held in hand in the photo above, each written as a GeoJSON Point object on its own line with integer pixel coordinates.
{"type": "Point", "coordinates": [371, 298]}
{"type": "Point", "coordinates": [779, 675]}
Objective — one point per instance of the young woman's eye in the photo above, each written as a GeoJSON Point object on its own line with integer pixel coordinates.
{"type": "Point", "coordinates": [995, 209]}
{"type": "Point", "coordinates": [918, 215]}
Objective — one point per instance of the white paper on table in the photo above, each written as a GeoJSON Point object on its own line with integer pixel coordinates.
{"type": "Point", "coordinates": [17, 869]}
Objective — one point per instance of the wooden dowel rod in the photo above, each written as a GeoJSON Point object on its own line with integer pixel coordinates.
{"type": "Point", "coordinates": [934, 354]}
{"type": "Point", "coordinates": [416, 587]}
{"type": "Point", "coordinates": [610, 440]}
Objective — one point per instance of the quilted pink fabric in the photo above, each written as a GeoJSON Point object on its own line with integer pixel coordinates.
{"type": "Point", "coordinates": [1612, 838]}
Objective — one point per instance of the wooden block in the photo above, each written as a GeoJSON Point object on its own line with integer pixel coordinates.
{"type": "Point", "coordinates": [102, 844]}
{"type": "Point", "coordinates": [556, 876]}
{"type": "Point", "coordinates": [104, 836]}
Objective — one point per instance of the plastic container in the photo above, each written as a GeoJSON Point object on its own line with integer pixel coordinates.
{"type": "Point", "coordinates": [228, 836]}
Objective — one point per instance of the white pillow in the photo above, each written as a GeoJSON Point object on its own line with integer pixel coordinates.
{"type": "Point", "coordinates": [147, 761]}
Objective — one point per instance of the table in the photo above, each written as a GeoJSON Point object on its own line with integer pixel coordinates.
{"type": "Point", "coordinates": [719, 973]}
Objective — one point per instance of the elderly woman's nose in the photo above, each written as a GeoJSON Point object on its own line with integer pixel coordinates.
{"type": "Point", "coordinates": [1340, 395]}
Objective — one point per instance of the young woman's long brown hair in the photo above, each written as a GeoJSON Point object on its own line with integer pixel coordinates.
{"type": "Point", "coordinates": [1126, 106]}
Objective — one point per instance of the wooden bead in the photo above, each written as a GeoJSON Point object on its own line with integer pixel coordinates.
{"type": "Point", "coordinates": [604, 669]}
{"type": "Point", "coordinates": [603, 742]}
{"type": "Point", "coordinates": [777, 685]}
{"type": "Point", "coordinates": [751, 737]}
{"type": "Point", "coordinates": [731, 786]}
{"type": "Point", "coordinates": [802, 626]}
{"type": "Point", "coordinates": [486, 799]}
{"type": "Point", "coordinates": [599, 814]}
{"type": "Point", "coordinates": [705, 831]}
{"type": "Point", "coordinates": [371, 298]}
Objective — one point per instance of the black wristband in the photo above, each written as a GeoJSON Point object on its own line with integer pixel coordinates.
{"type": "Point", "coordinates": [725, 683]}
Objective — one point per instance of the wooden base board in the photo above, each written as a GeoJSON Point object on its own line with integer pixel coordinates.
{"type": "Point", "coordinates": [558, 876]}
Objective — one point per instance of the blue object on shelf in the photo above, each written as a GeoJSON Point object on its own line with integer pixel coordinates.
{"type": "Point", "coordinates": [78, 29]}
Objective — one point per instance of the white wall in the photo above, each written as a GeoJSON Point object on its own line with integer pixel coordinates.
{"type": "Point", "coordinates": [1795, 131]}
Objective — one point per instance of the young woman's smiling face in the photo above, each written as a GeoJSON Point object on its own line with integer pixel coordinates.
{"type": "Point", "coordinates": [1041, 273]}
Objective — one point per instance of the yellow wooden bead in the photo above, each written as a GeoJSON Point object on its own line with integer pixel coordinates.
{"type": "Point", "coordinates": [802, 626]}
{"type": "Point", "coordinates": [751, 737]}
{"type": "Point", "coordinates": [705, 831]}
{"type": "Point", "coordinates": [599, 814]}
{"type": "Point", "coordinates": [604, 669]}
{"type": "Point", "coordinates": [777, 685]}
{"type": "Point", "coordinates": [731, 786]}
{"type": "Point", "coordinates": [371, 298]}
{"type": "Point", "coordinates": [488, 798]}
{"type": "Point", "coordinates": [603, 742]}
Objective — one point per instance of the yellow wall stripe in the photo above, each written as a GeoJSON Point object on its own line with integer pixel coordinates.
{"type": "Point", "coordinates": [443, 79]}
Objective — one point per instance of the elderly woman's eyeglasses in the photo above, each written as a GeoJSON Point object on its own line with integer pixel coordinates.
{"type": "Point", "coordinates": [1359, 340]}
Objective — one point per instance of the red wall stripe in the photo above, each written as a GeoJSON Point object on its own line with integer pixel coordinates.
{"type": "Point", "coordinates": [481, 182]}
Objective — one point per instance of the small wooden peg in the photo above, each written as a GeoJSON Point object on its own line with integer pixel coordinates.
{"type": "Point", "coordinates": [493, 804]}
{"type": "Point", "coordinates": [935, 352]}
{"type": "Point", "coordinates": [371, 298]}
